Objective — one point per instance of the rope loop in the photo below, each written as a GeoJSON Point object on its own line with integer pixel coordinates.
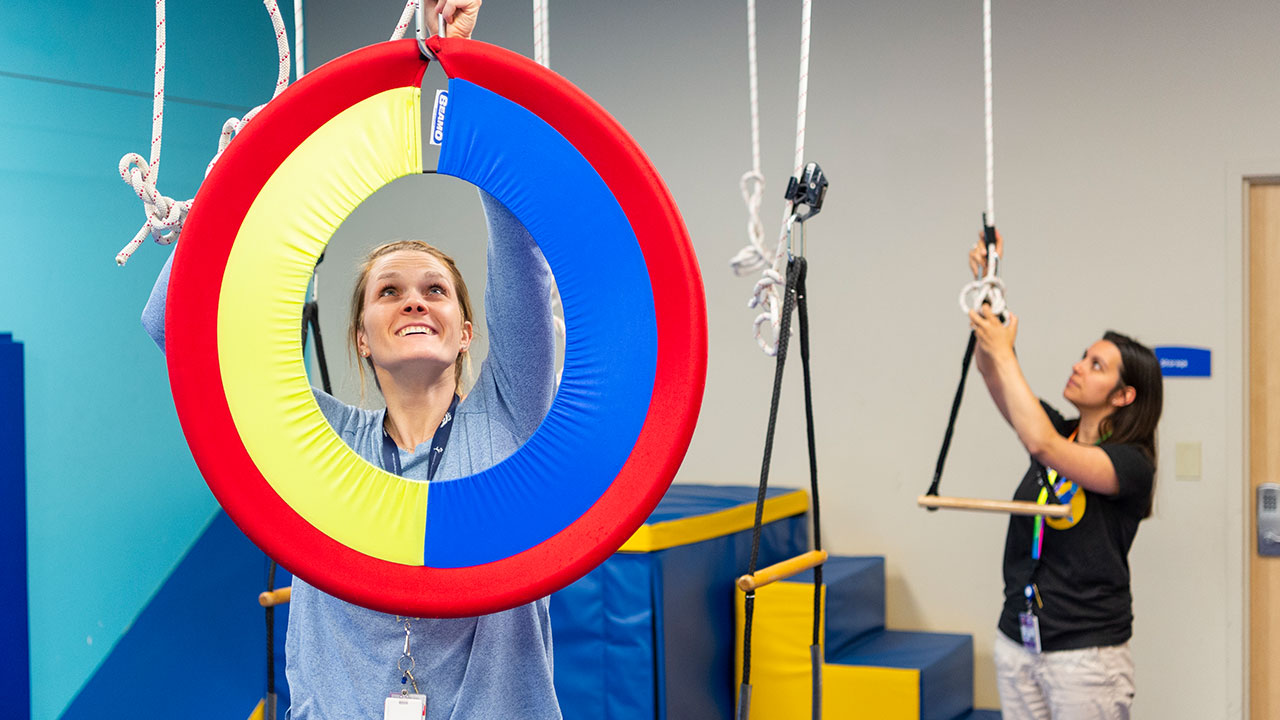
{"type": "Point", "coordinates": [754, 256]}
{"type": "Point", "coordinates": [987, 291]}
{"type": "Point", "coordinates": [164, 214]}
{"type": "Point", "coordinates": [768, 296]}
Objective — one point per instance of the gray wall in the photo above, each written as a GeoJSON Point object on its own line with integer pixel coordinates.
{"type": "Point", "coordinates": [1122, 131]}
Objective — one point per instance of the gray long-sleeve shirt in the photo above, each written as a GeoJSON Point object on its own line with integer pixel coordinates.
{"type": "Point", "coordinates": [341, 658]}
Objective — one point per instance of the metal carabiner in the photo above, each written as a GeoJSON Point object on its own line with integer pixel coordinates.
{"type": "Point", "coordinates": [421, 30]}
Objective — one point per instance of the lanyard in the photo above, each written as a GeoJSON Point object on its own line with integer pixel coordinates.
{"type": "Point", "coordinates": [1050, 480]}
{"type": "Point", "coordinates": [391, 454]}
{"type": "Point", "coordinates": [1056, 483]}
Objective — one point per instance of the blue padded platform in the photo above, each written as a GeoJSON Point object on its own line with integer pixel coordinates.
{"type": "Point", "coordinates": [855, 596]}
{"type": "Point", "coordinates": [15, 682]}
{"type": "Point", "coordinates": [687, 500]}
{"type": "Point", "coordinates": [945, 662]}
{"type": "Point", "coordinates": [651, 635]}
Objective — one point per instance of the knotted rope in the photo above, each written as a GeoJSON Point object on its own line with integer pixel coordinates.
{"type": "Point", "coordinates": [988, 290]}
{"type": "Point", "coordinates": [165, 216]}
{"type": "Point", "coordinates": [756, 256]}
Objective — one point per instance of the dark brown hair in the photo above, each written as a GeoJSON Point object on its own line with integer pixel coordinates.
{"type": "Point", "coordinates": [362, 283]}
{"type": "Point", "coordinates": [1135, 423]}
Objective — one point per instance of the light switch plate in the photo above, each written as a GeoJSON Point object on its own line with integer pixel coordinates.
{"type": "Point", "coordinates": [1187, 460]}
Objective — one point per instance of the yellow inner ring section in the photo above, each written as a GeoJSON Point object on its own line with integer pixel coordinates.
{"type": "Point", "coordinates": [259, 329]}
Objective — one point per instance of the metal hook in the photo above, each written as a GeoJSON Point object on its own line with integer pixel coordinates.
{"type": "Point", "coordinates": [421, 30]}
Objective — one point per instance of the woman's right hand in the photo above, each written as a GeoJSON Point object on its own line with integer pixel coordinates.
{"type": "Point", "coordinates": [459, 16]}
{"type": "Point", "coordinates": [978, 254]}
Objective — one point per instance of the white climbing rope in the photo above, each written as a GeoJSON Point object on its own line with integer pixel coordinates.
{"type": "Point", "coordinates": [542, 56]}
{"type": "Point", "coordinates": [233, 126]}
{"type": "Point", "coordinates": [772, 263]}
{"type": "Point", "coordinates": [165, 215]}
{"type": "Point", "coordinates": [753, 257]}
{"type": "Point", "coordinates": [406, 17]}
{"type": "Point", "coordinates": [541, 36]}
{"type": "Point", "coordinates": [988, 289]}
{"type": "Point", "coordinates": [298, 41]}
{"type": "Point", "coordinates": [991, 145]}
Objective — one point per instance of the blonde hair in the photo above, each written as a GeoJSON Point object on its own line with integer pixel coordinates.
{"type": "Point", "coordinates": [461, 366]}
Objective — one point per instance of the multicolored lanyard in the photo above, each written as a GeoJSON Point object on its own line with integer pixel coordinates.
{"type": "Point", "coordinates": [1056, 483]}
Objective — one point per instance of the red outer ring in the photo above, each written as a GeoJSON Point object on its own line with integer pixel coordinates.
{"type": "Point", "coordinates": [191, 330]}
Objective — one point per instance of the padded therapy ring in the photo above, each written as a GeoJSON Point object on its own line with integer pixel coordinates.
{"type": "Point", "coordinates": [635, 316]}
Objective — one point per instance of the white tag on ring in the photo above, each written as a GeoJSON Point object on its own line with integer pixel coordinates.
{"type": "Point", "coordinates": [437, 117]}
{"type": "Point", "coordinates": [405, 706]}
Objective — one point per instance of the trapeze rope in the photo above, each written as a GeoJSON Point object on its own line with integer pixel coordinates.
{"type": "Point", "coordinates": [991, 145]}
{"type": "Point", "coordinates": [794, 296]}
{"type": "Point", "coordinates": [165, 215]}
{"type": "Point", "coordinates": [756, 256]}
{"type": "Point", "coordinates": [990, 288]}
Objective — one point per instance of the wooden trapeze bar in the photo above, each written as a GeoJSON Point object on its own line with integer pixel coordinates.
{"type": "Point", "coordinates": [1012, 507]}
{"type": "Point", "coordinates": [271, 598]}
{"type": "Point", "coordinates": [782, 570]}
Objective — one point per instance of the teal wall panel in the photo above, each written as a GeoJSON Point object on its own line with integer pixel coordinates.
{"type": "Point", "coordinates": [114, 500]}
{"type": "Point", "coordinates": [201, 634]}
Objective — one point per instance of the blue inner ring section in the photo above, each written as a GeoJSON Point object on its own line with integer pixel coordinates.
{"type": "Point", "coordinates": [610, 350]}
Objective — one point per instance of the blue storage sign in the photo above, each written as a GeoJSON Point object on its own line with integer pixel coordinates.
{"type": "Point", "coordinates": [1178, 361]}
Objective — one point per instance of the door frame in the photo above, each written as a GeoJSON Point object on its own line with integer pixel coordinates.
{"type": "Point", "coordinates": [1237, 484]}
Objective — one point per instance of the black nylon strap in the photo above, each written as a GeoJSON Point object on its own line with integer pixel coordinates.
{"type": "Point", "coordinates": [271, 639]}
{"type": "Point", "coordinates": [793, 296]}
{"type": "Point", "coordinates": [951, 421]}
{"type": "Point", "coordinates": [802, 307]}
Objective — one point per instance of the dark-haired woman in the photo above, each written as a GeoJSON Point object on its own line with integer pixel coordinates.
{"type": "Point", "coordinates": [1062, 652]}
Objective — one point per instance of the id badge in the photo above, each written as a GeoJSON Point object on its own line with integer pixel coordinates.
{"type": "Point", "coordinates": [1029, 624]}
{"type": "Point", "coordinates": [405, 706]}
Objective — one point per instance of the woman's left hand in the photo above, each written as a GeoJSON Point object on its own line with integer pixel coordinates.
{"type": "Point", "coordinates": [459, 16]}
{"type": "Point", "coordinates": [994, 337]}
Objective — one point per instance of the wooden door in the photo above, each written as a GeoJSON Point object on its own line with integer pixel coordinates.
{"type": "Point", "coordinates": [1264, 442]}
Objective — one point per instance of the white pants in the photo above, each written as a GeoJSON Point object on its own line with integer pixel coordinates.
{"type": "Point", "coordinates": [1088, 684]}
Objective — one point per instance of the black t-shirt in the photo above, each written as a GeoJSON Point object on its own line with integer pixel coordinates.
{"type": "Point", "coordinates": [1083, 574]}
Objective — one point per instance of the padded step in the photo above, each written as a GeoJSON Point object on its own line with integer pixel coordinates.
{"type": "Point", "coordinates": [898, 674]}
{"type": "Point", "coordinates": [855, 596]}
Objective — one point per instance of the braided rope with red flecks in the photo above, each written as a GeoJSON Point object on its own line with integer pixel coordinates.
{"type": "Point", "coordinates": [165, 215]}
{"type": "Point", "coordinates": [405, 18]}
